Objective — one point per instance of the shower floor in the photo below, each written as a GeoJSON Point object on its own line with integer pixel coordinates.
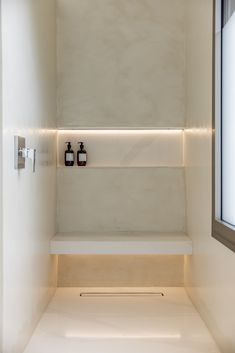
{"type": "Point", "coordinates": [121, 324]}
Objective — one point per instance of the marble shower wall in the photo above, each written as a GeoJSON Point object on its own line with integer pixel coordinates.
{"type": "Point", "coordinates": [121, 63]}
{"type": "Point", "coordinates": [121, 199]}
{"type": "Point", "coordinates": [120, 270]}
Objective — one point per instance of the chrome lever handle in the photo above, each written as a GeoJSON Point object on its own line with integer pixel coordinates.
{"type": "Point", "coordinates": [29, 153]}
{"type": "Point", "coordinates": [32, 156]}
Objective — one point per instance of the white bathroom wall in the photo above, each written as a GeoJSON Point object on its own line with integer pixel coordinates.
{"type": "Point", "coordinates": [121, 63]}
{"type": "Point", "coordinates": [134, 180]}
{"type": "Point", "coordinates": [210, 275]}
{"type": "Point", "coordinates": [121, 270]}
{"type": "Point", "coordinates": [29, 75]}
{"type": "Point", "coordinates": [1, 235]}
{"type": "Point", "coordinates": [121, 199]}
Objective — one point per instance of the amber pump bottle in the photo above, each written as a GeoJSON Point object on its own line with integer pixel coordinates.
{"type": "Point", "coordinates": [69, 156]}
{"type": "Point", "coordinates": [81, 156]}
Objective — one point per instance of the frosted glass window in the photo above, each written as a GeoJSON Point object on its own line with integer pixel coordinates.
{"type": "Point", "coordinates": [228, 112]}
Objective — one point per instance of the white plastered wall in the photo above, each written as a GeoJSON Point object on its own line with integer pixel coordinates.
{"type": "Point", "coordinates": [29, 75]}
{"type": "Point", "coordinates": [1, 235]}
{"type": "Point", "coordinates": [210, 276]}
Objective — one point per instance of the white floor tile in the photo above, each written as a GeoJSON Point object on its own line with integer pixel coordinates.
{"type": "Point", "coordinates": [168, 324]}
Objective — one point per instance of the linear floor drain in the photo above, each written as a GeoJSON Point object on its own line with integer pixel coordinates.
{"type": "Point", "coordinates": [120, 294]}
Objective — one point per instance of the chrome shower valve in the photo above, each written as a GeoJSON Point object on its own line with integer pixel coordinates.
{"type": "Point", "coordinates": [29, 153]}
{"type": "Point", "coordinates": [22, 152]}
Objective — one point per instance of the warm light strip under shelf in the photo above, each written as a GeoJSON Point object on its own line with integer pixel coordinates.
{"type": "Point", "coordinates": [120, 131]}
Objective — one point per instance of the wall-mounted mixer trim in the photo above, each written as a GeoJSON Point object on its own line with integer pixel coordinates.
{"type": "Point", "coordinates": [21, 153]}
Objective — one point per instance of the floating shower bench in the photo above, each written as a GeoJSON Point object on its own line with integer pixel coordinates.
{"type": "Point", "coordinates": [122, 243]}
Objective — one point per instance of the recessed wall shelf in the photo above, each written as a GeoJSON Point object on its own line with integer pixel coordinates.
{"type": "Point", "coordinates": [134, 148]}
{"type": "Point", "coordinates": [121, 243]}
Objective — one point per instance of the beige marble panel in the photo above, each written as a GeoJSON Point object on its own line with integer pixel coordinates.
{"type": "Point", "coordinates": [121, 63]}
{"type": "Point", "coordinates": [126, 323]}
{"type": "Point", "coordinates": [121, 199]}
{"type": "Point", "coordinates": [115, 271]}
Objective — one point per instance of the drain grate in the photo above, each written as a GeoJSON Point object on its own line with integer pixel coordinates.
{"type": "Point", "coordinates": [120, 294]}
